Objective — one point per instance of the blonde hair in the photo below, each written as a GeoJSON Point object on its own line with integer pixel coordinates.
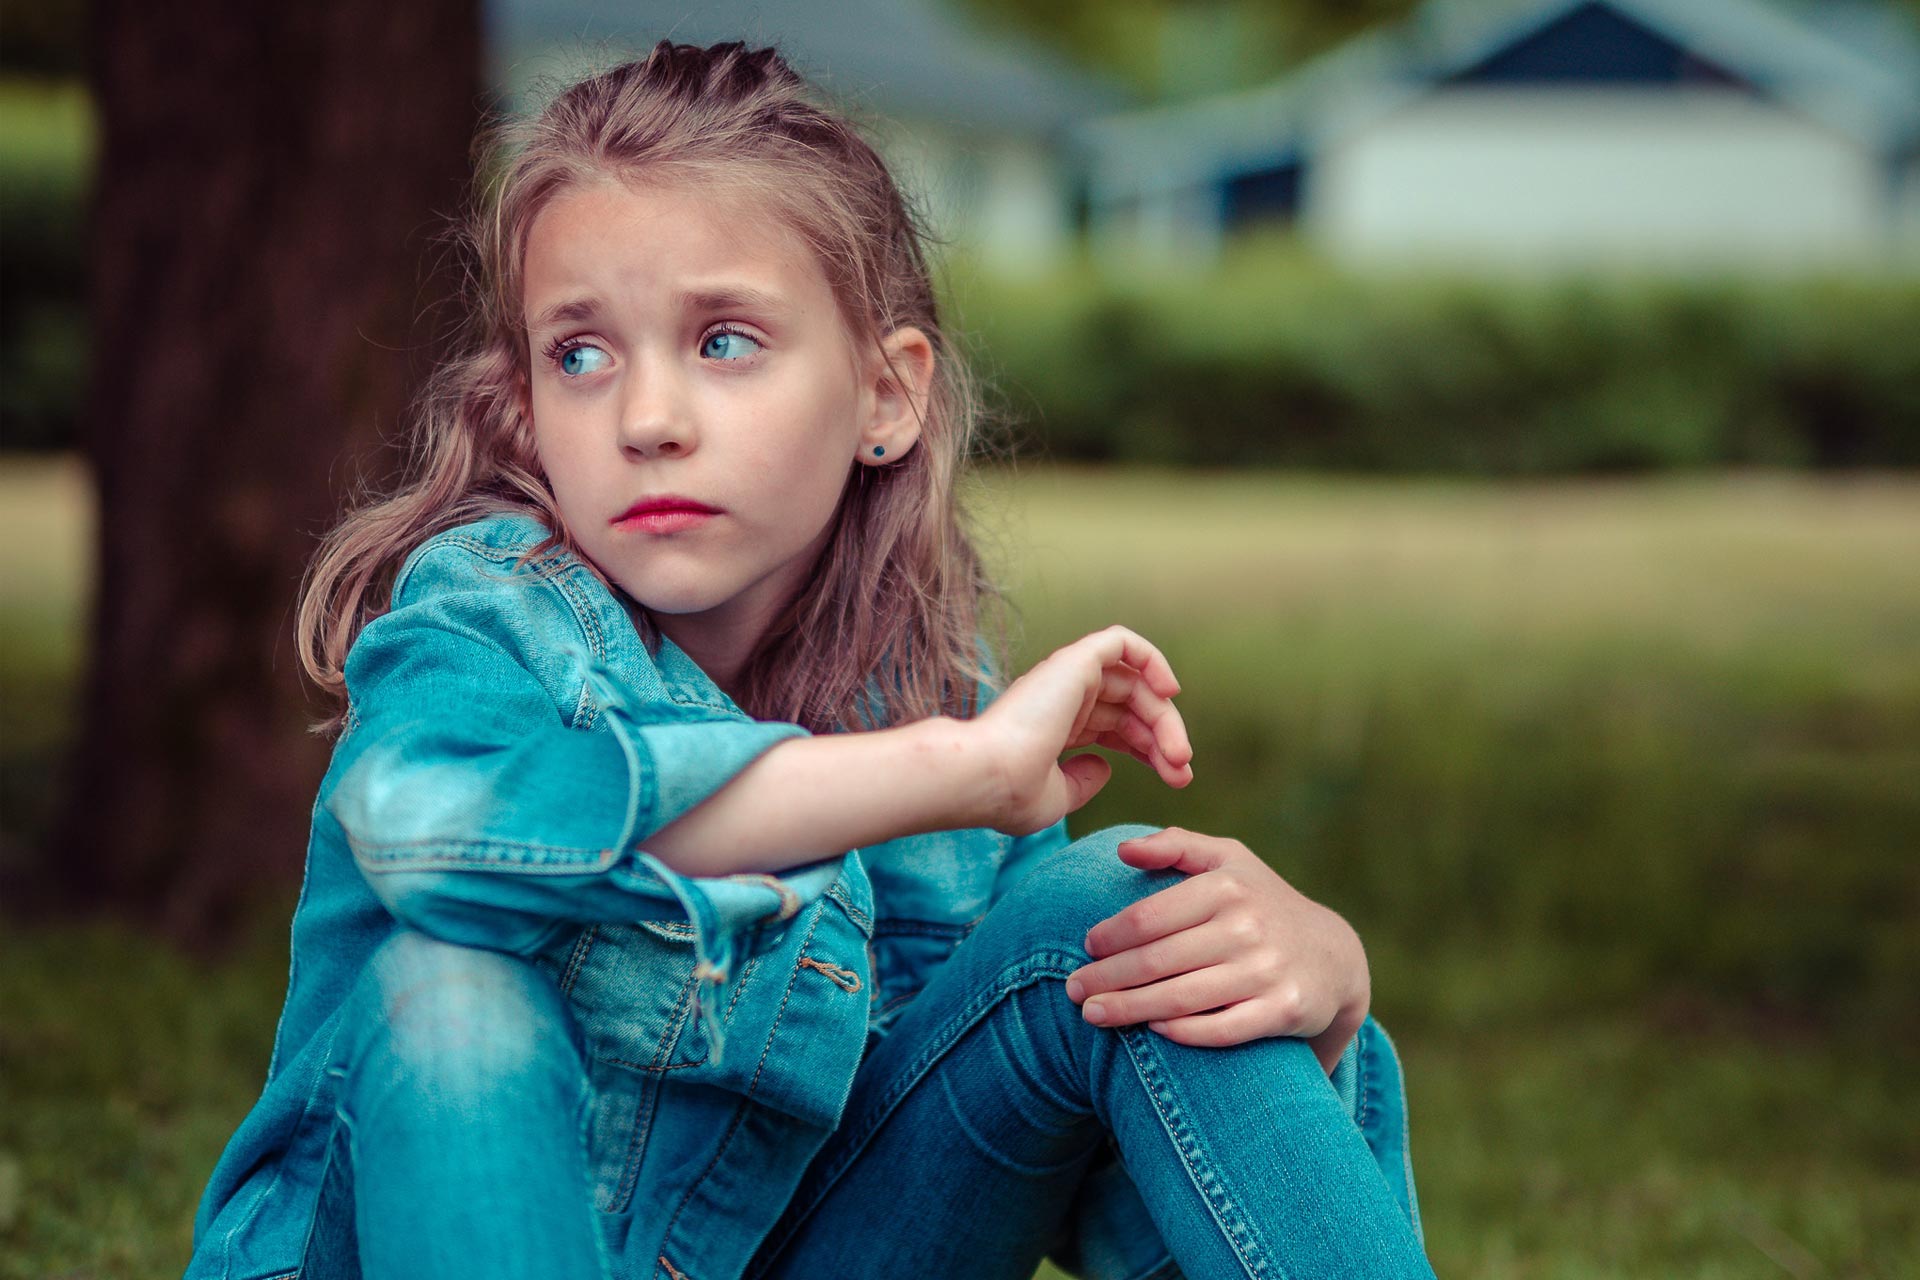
{"type": "Point", "coordinates": [899, 594]}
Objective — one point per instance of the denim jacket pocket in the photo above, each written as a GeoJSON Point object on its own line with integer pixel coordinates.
{"type": "Point", "coordinates": [633, 990]}
{"type": "Point", "coordinates": [799, 1012]}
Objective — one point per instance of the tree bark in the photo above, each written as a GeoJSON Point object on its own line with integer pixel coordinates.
{"type": "Point", "coordinates": [271, 181]}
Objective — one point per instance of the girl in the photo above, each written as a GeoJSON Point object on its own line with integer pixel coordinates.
{"type": "Point", "coordinates": [670, 779]}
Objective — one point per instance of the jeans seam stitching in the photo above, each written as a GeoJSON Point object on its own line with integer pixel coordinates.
{"type": "Point", "coordinates": [1142, 1053]}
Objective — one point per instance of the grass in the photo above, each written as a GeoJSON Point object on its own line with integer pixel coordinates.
{"type": "Point", "coordinates": [1614, 778]}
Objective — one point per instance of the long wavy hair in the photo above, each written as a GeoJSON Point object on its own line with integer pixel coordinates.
{"type": "Point", "coordinates": [899, 605]}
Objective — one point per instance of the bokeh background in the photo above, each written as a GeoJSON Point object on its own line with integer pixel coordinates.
{"type": "Point", "coordinates": [1504, 414]}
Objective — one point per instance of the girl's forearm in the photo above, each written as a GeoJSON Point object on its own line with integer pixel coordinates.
{"type": "Point", "coordinates": [810, 798]}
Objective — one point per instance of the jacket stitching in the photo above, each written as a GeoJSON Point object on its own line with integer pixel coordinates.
{"type": "Point", "coordinates": [560, 568]}
{"type": "Point", "coordinates": [581, 946]}
{"type": "Point", "coordinates": [838, 893]}
{"type": "Point", "coordinates": [557, 569]}
{"type": "Point", "coordinates": [745, 974]}
{"type": "Point", "coordinates": [456, 850]}
{"type": "Point", "coordinates": [583, 614]}
{"type": "Point", "coordinates": [753, 1085]}
{"type": "Point", "coordinates": [637, 1140]}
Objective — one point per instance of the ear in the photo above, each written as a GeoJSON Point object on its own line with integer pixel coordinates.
{"type": "Point", "coordinates": [900, 379]}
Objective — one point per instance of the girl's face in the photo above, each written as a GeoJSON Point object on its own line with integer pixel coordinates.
{"type": "Point", "coordinates": [689, 350]}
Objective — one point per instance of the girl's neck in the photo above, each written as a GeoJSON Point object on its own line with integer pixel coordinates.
{"type": "Point", "coordinates": [721, 653]}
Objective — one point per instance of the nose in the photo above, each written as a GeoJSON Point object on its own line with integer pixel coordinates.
{"type": "Point", "coordinates": [655, 418]}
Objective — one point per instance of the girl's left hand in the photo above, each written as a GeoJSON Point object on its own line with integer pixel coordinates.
{"type": "Point", "coordinates": [1232, 934]}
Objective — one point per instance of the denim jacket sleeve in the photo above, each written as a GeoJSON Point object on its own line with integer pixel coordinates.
{"type": "Point", "coordinates": [485, 810]}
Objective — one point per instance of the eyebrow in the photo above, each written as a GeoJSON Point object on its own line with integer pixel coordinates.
{"type": "Point", "coordinates": [718, 298]}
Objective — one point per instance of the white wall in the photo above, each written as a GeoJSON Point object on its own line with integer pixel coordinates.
{"type": "Point", "coordinates": [1557, 175]}
{"type": "Point", "coordinates": [1003, 198]}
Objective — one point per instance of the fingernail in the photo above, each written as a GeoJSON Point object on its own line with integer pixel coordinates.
{"type": "Point", "coordinates": [1075, 990]}
{"type": "Point", "coordinates": [1095, 1011]}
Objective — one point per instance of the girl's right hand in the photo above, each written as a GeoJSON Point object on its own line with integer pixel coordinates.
{"type": "Point", "coordinates": [1110, 689]}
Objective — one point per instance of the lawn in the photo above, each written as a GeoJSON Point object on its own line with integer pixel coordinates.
{"type": "Point", "coordinates": [1615, 778]}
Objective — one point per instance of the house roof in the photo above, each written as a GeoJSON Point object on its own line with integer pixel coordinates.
{"type": "Point", "coordinates": [1854, 68]}
{"type": "Point", "coordinates": [913, 59]}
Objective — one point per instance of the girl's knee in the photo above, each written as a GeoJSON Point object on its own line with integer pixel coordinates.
{"type": "Point", "coordinates": [1085, 882]}
{"type": "Point", "coordinates": [462, 1020]}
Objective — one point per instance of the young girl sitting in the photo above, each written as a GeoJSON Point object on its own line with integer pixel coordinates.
{"type": "Point", "coordinates": [682, 901]}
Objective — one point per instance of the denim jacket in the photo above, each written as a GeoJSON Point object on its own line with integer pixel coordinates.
{"type": "Point", "coordinates": [509, 746]}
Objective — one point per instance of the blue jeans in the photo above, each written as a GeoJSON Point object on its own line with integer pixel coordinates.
{"type": "Point", "coordinates": [459, 1144]}
{"type": "Point", "coordinates": [979, 1117]}
{"type": "Point", "coordinates": [974, 1129]}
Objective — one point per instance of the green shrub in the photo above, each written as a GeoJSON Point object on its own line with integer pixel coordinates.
{"type": "Point", "coordinates": [1274, 359]}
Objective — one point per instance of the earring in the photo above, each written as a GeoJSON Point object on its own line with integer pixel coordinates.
{"type": "Point", "coordinates": [879, 451]}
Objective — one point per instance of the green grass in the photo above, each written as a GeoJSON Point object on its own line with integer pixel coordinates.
{"type": "Point", "coordinates": [1616, 779]}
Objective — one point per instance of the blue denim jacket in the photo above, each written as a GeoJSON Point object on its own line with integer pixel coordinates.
{"type": "Point", "coordinates": [509, 746]}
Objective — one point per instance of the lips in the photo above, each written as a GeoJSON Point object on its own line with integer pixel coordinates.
{"type": "Point", "coordinates": [669, 513]}
{"type": "Point", "coordinates": [663, 505]}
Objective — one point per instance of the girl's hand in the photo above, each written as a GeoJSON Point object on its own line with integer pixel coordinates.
{"type": "Point", "coordinates": [1232, 937]}
{"type": "Point", "coordinates": [1108, 689]}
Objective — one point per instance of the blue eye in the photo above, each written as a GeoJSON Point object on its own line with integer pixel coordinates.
{"type": "Point", "coordinates": [732, 338]}
{"type": "Point", "coordinates": [570, 359]}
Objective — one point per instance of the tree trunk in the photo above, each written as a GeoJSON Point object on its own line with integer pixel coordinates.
{"type": "Point", "coordinates": [270, 181]}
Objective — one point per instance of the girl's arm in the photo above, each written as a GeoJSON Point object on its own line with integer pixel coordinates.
{"type": "Point", "coordinates": [481, 809]}
{"type": "Point", "coordinates": [810, 797]}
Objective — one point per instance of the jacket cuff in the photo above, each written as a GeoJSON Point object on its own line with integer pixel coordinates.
{"type": "Point", "coordinates": [672, 767]}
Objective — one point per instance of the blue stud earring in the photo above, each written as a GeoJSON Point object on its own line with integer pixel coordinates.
{"type": "Point", "coordinates": [879, 451]}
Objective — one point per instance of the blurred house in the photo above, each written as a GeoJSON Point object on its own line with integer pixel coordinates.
{"type": "Point", "coordinates": [1564, 132]}
{"type": "Point", "coordinates": [975, 125]}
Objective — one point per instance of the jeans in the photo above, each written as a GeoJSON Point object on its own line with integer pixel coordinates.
{"type": "Point", "coordinates": [459, 1139]}
{"type": "Point", "coordinates": [977, 1118]}
{"type": "Point", "coordinates": [972, 1131]}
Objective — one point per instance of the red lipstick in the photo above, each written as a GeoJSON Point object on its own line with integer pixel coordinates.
{"type": "Point", "coordinates": [664, 513]}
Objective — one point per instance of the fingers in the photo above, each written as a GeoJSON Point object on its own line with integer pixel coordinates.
{"type": "Point", "coordinates": [1130, 736]}
{"type": "Point", "coordinates": [1085, 775]}
{"type": "Point", "coordinates": [1177, 953]}
{"type": "Point", "coordinates": [1179, 906]}
{"type": "Point", "coordinates": [1169, 729]}
{"type": "Point", "coordinates": [1118, 644]}
{"type": "Point", "coordinates": [1152, 725]}
{"type": "Point", "coordinates": [1235, 1024]}
{"type": "Point", "coordinates": [1175, 997]}
{"type": "Point", "coordinates": [1183, 850]}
